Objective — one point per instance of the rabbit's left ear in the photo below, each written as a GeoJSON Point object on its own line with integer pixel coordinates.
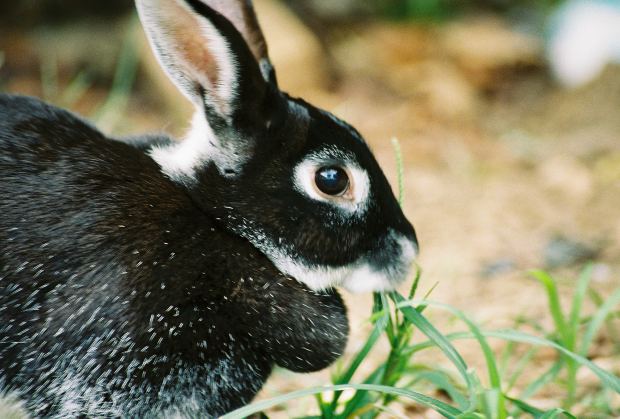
{"type": "Point", "coordinates": [216, 54]}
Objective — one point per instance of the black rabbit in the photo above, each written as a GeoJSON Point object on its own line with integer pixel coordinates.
{"type": "Point", "coordinates": [150, 277]}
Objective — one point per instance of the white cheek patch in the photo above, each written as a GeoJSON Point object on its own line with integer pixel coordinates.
{"type": "Point", "coordinates": [304, 175]}
{"type": "Point", "coordinates": [359, 276]}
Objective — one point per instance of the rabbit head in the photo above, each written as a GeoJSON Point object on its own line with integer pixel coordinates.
{"type": "Point", "coordinates": [297, 182]}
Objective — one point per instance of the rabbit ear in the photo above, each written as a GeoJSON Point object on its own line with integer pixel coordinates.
{"type": "Point", "coordinates": [242, 15]}
{"type": "Point", "coordinates": [205, 54]}
{"type": "Point", "coordinates": [211, 49]}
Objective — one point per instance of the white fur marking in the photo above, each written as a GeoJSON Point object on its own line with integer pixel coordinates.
{"type": "Point", "coordinates": [200, 146]}
{"type": "Point", "coordinates": [358, 276]}
{"type": "Point", "coordinates": [179, 161]}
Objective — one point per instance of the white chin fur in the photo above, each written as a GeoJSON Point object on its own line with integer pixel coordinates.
{"type": "Point", "coordinates": [358, 277]}
{"type": "Point", "coordinates": [364, 279]}
{"type": "Point", "coordinates": [353, 278]}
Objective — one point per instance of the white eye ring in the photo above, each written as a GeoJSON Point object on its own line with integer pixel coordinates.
{"type": "Point", "coordinates": [354, 199]}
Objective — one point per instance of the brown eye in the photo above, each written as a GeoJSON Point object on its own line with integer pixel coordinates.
{"type": "Point", "coordinates": [332, 180]}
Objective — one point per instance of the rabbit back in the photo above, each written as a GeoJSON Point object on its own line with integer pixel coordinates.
{"type": "Point", "coordinates": [96, 249]}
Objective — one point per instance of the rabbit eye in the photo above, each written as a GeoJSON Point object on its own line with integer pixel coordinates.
{"type": "Point", "coordinates": [332, 180]}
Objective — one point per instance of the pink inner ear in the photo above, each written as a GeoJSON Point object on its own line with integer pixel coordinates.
{"type": "Point", "coordinates": [241, 14]}
{"type": "Point", "coordinates": [185, 31]}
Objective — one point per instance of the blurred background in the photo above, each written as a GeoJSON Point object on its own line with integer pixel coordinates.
{"type": "Point", "coordinates": [507, 112]}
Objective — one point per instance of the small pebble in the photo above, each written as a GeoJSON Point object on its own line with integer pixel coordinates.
{"type": "Point", "coordinates": [497, 267]}
{"type": "Point", "coordinates": [562, 252]}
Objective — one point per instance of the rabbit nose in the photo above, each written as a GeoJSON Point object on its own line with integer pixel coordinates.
{"type": "Point", "coordinates": [408, 250]}
{"type": "Point", "coordinates": [395, 250]}
{"type": "Point", "coordinates": [386, 265]}
{"type": "Point", "coordinates": [409, 232]}
{"type": "Point", "coordinates": [405, 228]}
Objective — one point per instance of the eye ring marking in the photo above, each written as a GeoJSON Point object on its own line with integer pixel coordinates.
{"type": "Point", "coordinates": [333, 182]}
{"type": "Point", "coordinates": [356, 198]}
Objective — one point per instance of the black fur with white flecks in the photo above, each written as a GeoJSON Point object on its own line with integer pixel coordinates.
{"type": "Point", "coordinates": [150, 277]}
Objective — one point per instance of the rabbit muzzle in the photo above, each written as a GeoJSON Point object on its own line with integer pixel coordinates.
{"type": "Point", "coordinates": [386, 266]}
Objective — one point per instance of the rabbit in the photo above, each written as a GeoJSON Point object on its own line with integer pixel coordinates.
{"type": "Point", "coordinates": [150, 277]}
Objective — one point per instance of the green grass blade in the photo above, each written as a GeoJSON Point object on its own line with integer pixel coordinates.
{"type": "Point", "coordinates": [420, 322]}
{"type": "Point", "coordinates": [612, 330]}
{"type": "Point", "coordinates": [489, 356]}
{"type": "Point", "coordinates": [554, 303]}
{"type": "Point", "coordinates": [494, 376]}
{"type": "Point", "coordinates": [416, 282]}
{"type": "Point", "coordinates": [556, 413]}
{"type": "Point", "coordinates": [428, 344]}
{"type": "Point", "coordinates": [363, 398]}
{"type": "Point", "coordinates": [442, 408]}
{"type": "Point", "coordinates": [432, 333]}
{"type": "Point", "coordinates": [492, 403]}
{"type": "Point", "coordinates": [108, 114]}
{"type": "Point", "coordinates": [346, 376]}
{"type": "Point", "coordinates": [400, 168]}
{"type": "Point", "coordinates": [519, 368]}
{"type": "Point", "coordinates": [391, 329]}
{"type": "Point", "coordinates": [599, 318]}
{"type": "Point", "coordinates": [543, 379]}
{"type": "Point", "coordinates": [76, 90]}
{"type": "Point", "coordinates": [578, 297]}
{"type": "Point", "coordinates": [378, 329]}
{"type": "Point", "coordinates": [537, 413]}
{"type": "Point", "coordinates": [443, 381]}
{"type": "Point", "coordinates": [526, 407]}
{"type": "Point", "coordinates": [506, 355]}
{"type": "Point", "coordinates": [49, 77]}
{"type": "Point", "coordinates": [606, 378]}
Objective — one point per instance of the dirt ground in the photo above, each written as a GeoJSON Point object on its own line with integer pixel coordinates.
{"type": "Point", "coordinates": [504, 171]}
